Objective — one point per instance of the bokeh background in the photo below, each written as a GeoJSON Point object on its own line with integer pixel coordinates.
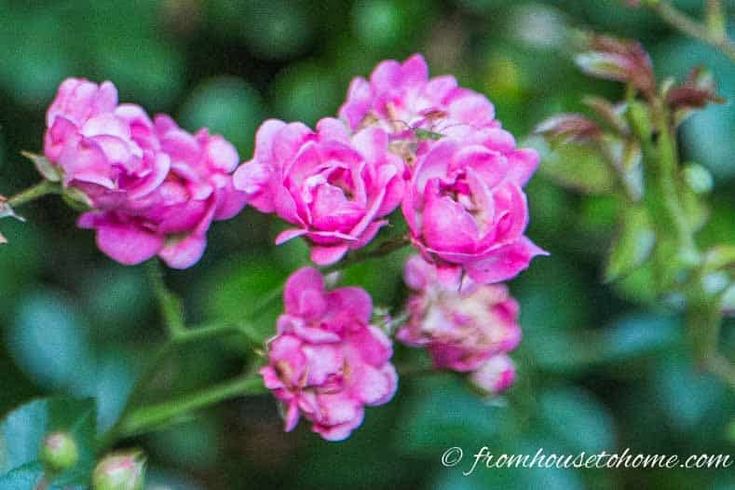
{"type": "Point", "coordinates": [598, 369]}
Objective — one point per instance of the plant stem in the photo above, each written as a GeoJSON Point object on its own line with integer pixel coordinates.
{"type": "Point", "coordinates": [171, 308]}
{"type": "Point", "coordinates": [715, 19]}
{"type": "Point", "coordinates": [34, 192]}
{"type": "Point", "coordinates": [216, 330]}
{"type": "Point", "coordinates": [152, 416]}
{"type": "Point", "coordinates": [136, 393]}
{"type": "Point", "coordinates": [692, 28]}
{"type": "Point", "coordinates": [385, 248]}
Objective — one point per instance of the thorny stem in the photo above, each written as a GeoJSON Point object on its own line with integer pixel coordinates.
{"type": "Point", "coordinates": [713, 34]}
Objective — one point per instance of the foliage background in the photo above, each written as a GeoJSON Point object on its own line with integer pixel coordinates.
{"type": "Point", "coordinates": [596, 370]}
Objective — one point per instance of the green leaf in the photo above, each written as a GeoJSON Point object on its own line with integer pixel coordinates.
{"type": "Point", "coordinates": [633, 244]}
{"type": "Point", "coordinates": [443, 413]}
{"type": "Point", "coordinates": [23, 477]}
{"type": "Point", "coordinates": [23, 430]}
{"type": "Point", "coordinates": [577, 419]}
{"type": "Point", "coordinates": [48, 340]}
{"type": "Point", "coordinates": [227, 106]}
{"type": "Point", "coordinates": [77, 200]}
{"type": "Point", "coordinates": [245, 291]}
{"type": "Point", "coordinates": [44, 167]}
{"type": "Point", "coordinates": [576, 166]}
{"type": "Point", "coordinates": [639, 335]}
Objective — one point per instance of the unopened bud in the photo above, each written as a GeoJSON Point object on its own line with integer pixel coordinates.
{"type": "Point", "coordinates": [495, 376]}
{"type": "Point", "coordinates": [59, 452]}
{"type": "Point", "coordinates": [698, 178]}
{"type": "Point", "coordinates": [568, 128]}
{"type": "Point", "coordinates": [120, 471]}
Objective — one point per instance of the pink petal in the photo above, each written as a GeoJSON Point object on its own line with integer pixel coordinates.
{"type": "Point", "coordinates": [414, 71]}
{"type": "Point", "coordinates": [183, 253]}
{"type": "Point", "coordinates": [304, 279]}
{"type": "Point", "coordinates": [505, 263]}
{"type": "Point", "coordinates": [289, 234]}
{"type": "Point", "coordinates": [128, 244]}
{"type": "Point", "coordinates": [522, 164]}
{"type": "Point", "coordinates": [322, 255]}
{"type": "Point", "coordinates": [354, 300]}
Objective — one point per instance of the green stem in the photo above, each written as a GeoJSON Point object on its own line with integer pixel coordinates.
{"type": "Point", "coordinates": [669, 182]}
{"type": "Point", "coordinates": [692, 28]}
{"type": "Point", "coordinates": [385, 248]}
{"type": "Point", "coordinates": [715, 19]}
{"type": "Point", "coordinates": [152, 416]}
{"type": "Point", "coordinates": [136, 393]}
{"type": "Point", "coordinates": [171, 307]}
{"type": "Point", "coordinates": [216, 330]}
{"type": "Point", "coordinates": [41, 189]}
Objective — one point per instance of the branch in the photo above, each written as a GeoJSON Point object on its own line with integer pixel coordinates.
{"type": "Point", "coordinates": [712, 35]}
{"type": "Point", "coordinates": [156, 415]}
{"type": "Point", "coordinates": [41, 189]}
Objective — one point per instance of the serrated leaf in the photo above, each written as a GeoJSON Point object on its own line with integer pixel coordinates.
{"type": "Point", "coordinates": [23, 430]}
{"type": "Point", "coordinates": [44, 167]}
{"type": "Point", "coordinates": [633, 244]}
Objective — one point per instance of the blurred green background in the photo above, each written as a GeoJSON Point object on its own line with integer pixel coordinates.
{"type": "Point", "coordinates": [596, 370]}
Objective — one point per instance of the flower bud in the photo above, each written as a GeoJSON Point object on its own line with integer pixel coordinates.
{"type": "Point", "coordinates": [616, 59]}
{"type": "Point", "coordinates": [59, 452]}
{"type": "Point", "coordinates": [120, 471]}
{"type": "Point", "coordinates": [569, 128]}
{"type": "Point", "coordinates": [494, 376]}
{"type": "Point", "coordinates": [698, 178]}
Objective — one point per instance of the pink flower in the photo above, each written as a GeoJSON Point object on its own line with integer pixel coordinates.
{"type": "Point", "coordinates": [108, 151]}
{"type": "Point", "coordinates": [461, 329]}
{"type": "Point", "coordinates": [154, 188]}
{"type": "Point", "coordinates": [401, 98]}
{"type": "Point", "coordinates": [326, 361]}
{"type": "Point", "coordinates": [466, 209]}
{"type": "Point", "coordinates": [172, 220]}
{"type": "Point", "coordinates": [333, 186]}
{"type": "Point", "coordinates": [496, 375]}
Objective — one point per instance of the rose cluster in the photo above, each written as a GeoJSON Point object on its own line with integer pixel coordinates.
{"type": "Point", "coordinates": [403, 145]}
{"type": "Point", "coordinates": [154, 188]}
{"type": "Point", "coordinates": [403, 139]}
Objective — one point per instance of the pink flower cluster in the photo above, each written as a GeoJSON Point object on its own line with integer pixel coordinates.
{"type": "Point", "coordinates": [435, 150]}
{"type": "Point", "coordinates": [154, 188]}
{"type": "Point", "coordinates": [327, 362]}
{"type": "Point", "coordinates": [404, 139]}
{"type": "Point", "coordinates": [470, 330]}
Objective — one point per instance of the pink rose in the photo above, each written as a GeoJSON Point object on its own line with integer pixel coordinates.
{"type": "Point", "coordinates": [108, 151]}
{"type": "Point", "coordinates": [461, 329]}
{"type": "Point", "coordinates": [402, 99]}
{"type": "Point", "coordinates": [333, 186]}
{"type": "Point", "coordinates": [466, 209]}
{"type": "Point", "coordinates": [496, 375]}
{"type": "Point", "coordinates": [154, 188]}
{"type": "Point", "coordinates": [326, 361]}
{"type": "Point", "coordinates": [172, 220]}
